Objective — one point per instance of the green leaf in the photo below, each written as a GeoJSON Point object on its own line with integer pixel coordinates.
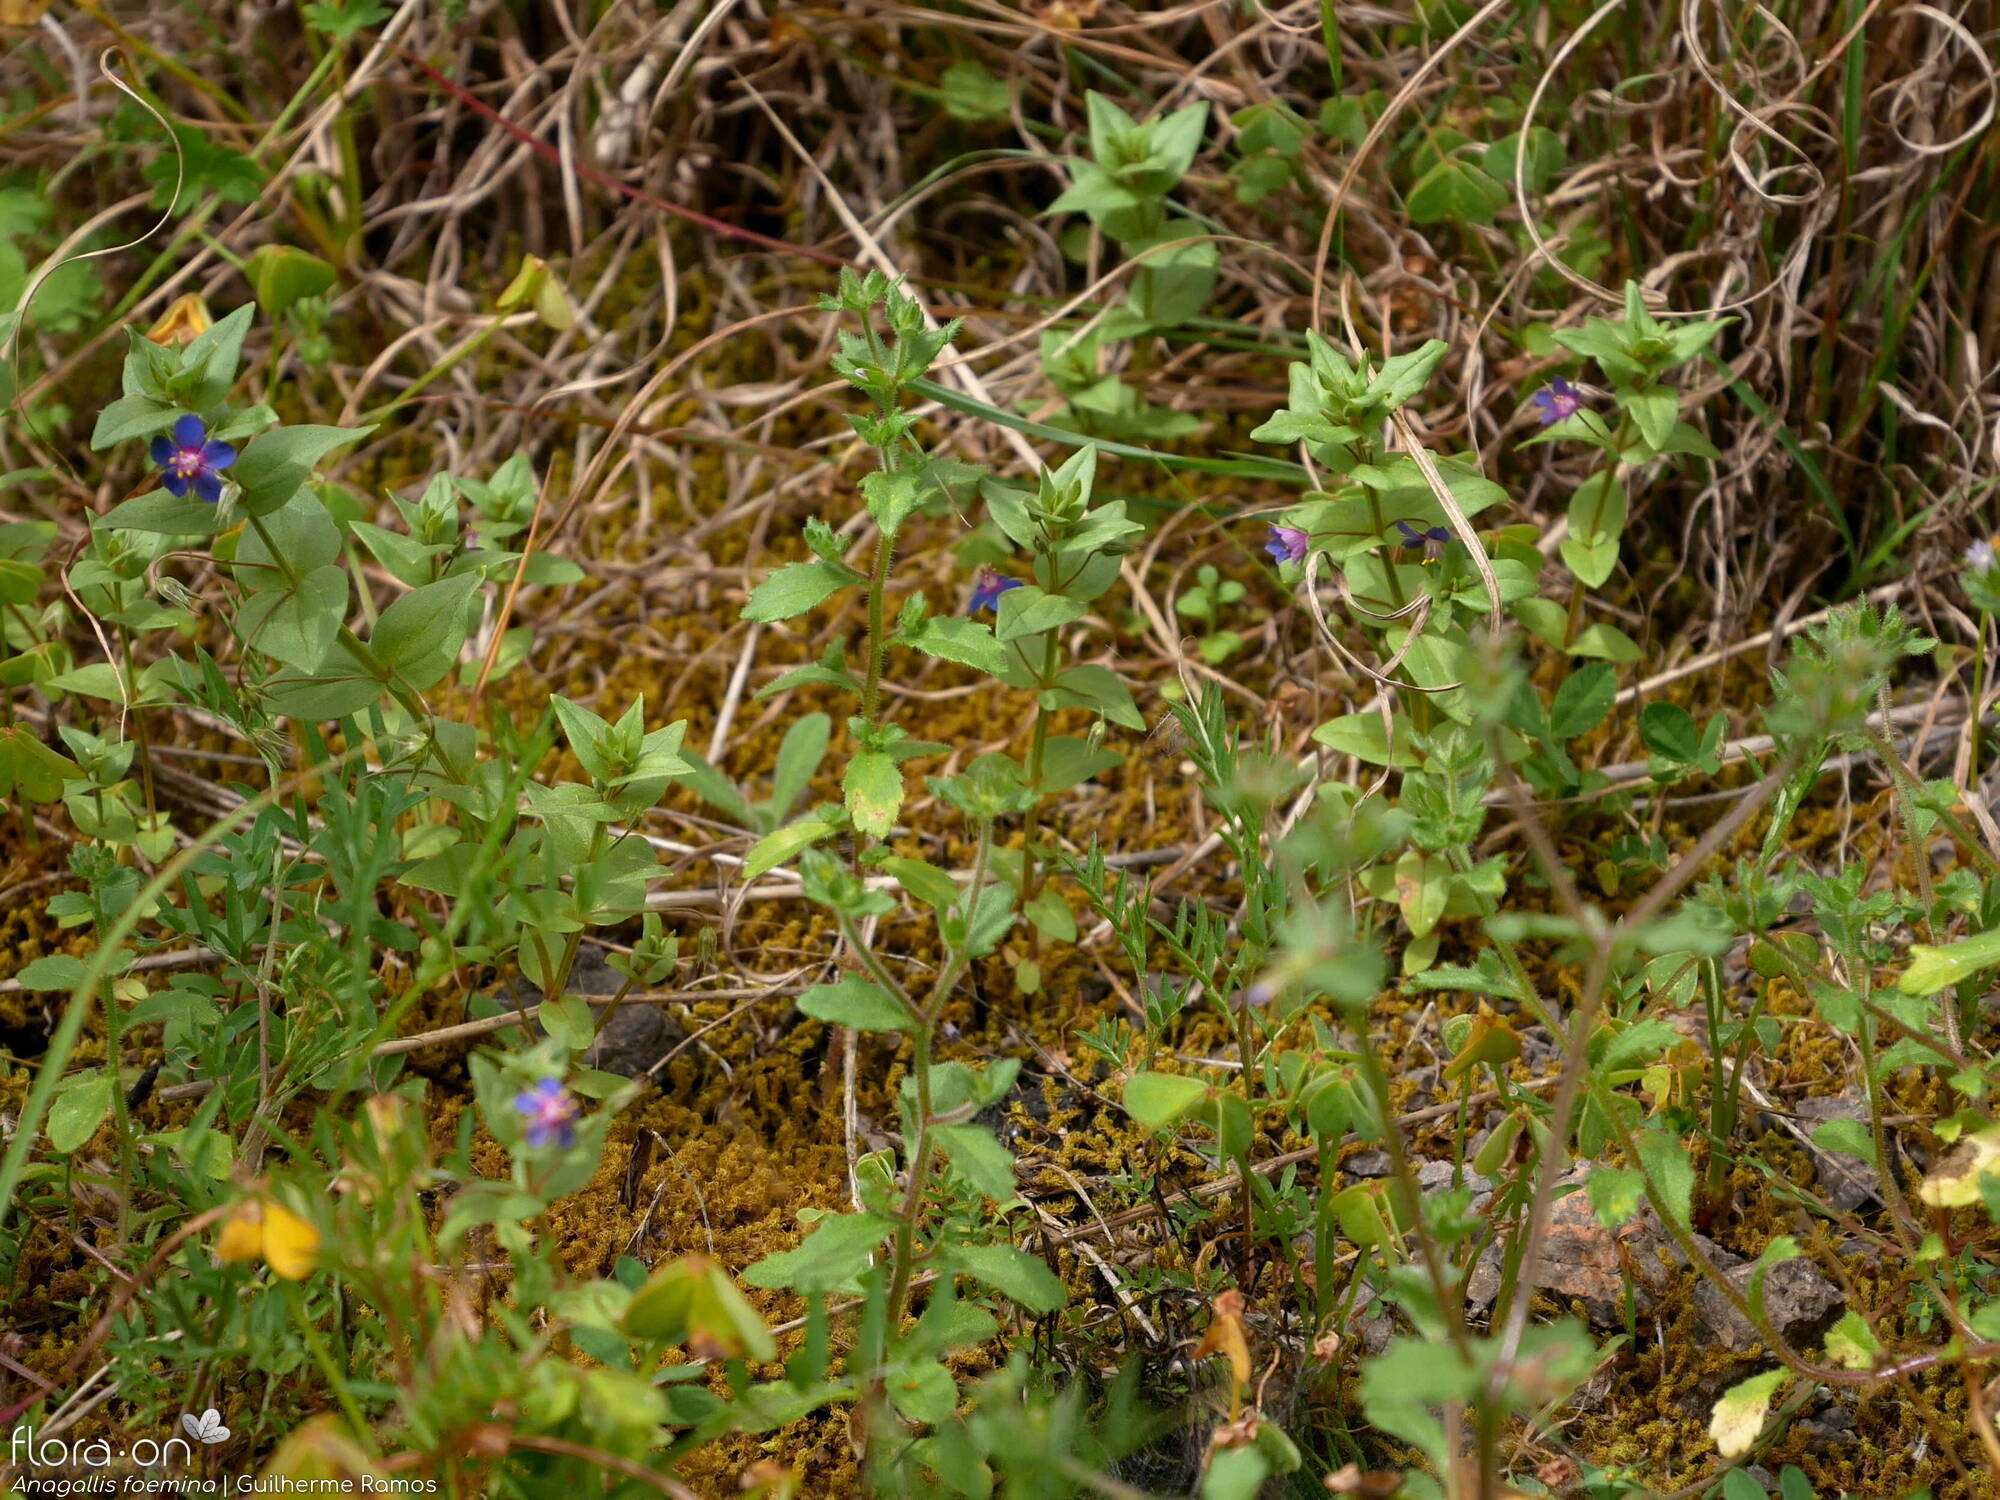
{"type": "Point", "coordinates": [967, 642]}
{"type": "Point", "coordinates": [891, 495]}
{"type": "Point", "coordinates": [924, 880]}
{"type": "Point", "coordinates": [273, 468]}
{"type": "Point", "coordinates": [833, 1254]}
{"type": "Point", "coordinates": [799, 755]}
{"type": "Point", "coordinates": [216, 354]}
{"type": "Point", "coordinates": [1615, 1194]}
{"type": "Point", "coordinates": [1157, 1100]}
{"type": "Point", "coordinates": [133, 416]}
{"type": "Point", "coordinates": [1029, 610]}
{"type": "Point", "coordinates": [1606, 641]}
{"type": "Point", "coordinates": [1852, 1344]}
{"type": "Point", "coordinates": [31, 770]}
{"type": "Point", "coordinates": [972, 94]}
{"type": "Point", "coordinates": [316, 698]}
{"type": "Point", "coordinates": [1403, 375]}
{"type": "Point", "coordinates": [1101, 688]}
{"type": "Point", "coordinates": [1013, 1273]}
{"type": "Point", "coordinates": [923, 1392]}
{"type": "Point", "coordinates": [1583, 700]}
{"type": "Point", "coordinates": [301, 533]}
{"type": "Point", "coordinates": [1656, 410]}
{"type": "Point", "coordinates": [283, 275]}
{"type": "Point", "coordinates": [1455, 192]}
{"type": "Point", "coordinates": [1544, 158]}
{"type": "Point", "coordinates": [20, 582]}
{"type": "Point", "coordinates": [774, 848]}
{"type": "Point", "coordinates": [1051, 915]}
{"type": "Point", "coordinates": [1672, 1176]}
{"type": "Point", "coordinates": [1933, 969]}
{"type": "Point", "coordinates": [79, 1108]}
{"type": "Point", "coordinates": [1591, 561]}
{"type": "Point", "coordinates": [168, 515]}
{"type": "Point", "coordinates": [1068, 762]}
{"type": "Point", "coordinates": [56, 971]}
{"type": "Point", "coordinates": [297, 626]}
{"type": "Point", "coordinates": [1236, 1474]}
{"type": "Point", "coordinates": [419, 635]}
{"type": "Point", "coordinates": [1364, 737]}
{"type": "Point", "coordinates": [856, 1002]}
{"type": "Point", "coordinates": [873, 788]}
{"type": "Point", "coordinates": [796, 588]}
{"type": "Point", "coordinates": [1848, 1136]}
{"type": "Point", "coordinates": [202, 165]}
{"type": "Point", "coordinates": [1670, 732]}
{"type": "Point", "coordinates": [977, 1156]}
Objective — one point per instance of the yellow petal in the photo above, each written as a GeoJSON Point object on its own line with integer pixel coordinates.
{"type": "Point", "coordinates": [181, 322]}
{"type": "Point", "coordinates": [243, 1234]}
{"type": "Point", "coordinates": [290, 1244]}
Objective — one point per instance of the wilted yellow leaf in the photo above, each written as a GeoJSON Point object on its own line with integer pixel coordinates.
{"type": "Point", "coordinates": [181, 323]}
{"type": "Point", "coordinates": [1955, 1181]}
{"type": "Point", "coordinates": [1739, 1415]}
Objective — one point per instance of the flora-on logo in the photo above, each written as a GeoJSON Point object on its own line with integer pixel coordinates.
{"type": "Point", "coordinates": [206, 1428]}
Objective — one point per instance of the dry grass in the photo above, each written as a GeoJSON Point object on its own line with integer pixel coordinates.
{"type": "Point", "coordinates": [1821, 172]}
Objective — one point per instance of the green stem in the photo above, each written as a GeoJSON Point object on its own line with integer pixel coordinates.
{"type": "Point", "coordinates": [450, 362]}
{"type": "Point", "coordinates": [1037, 757]}
{"type": "Point", "coordinates": [1610, 466]}
{"type": "Point", "coordinates": [1978, 695]}
{"type": "Point", "coordinates": [878, 645]}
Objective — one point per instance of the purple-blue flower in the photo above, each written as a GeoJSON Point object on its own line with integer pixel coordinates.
{"type": "Point", "coordinates": [189, 459]}
{"type": "Point", "coordinates": [1287, 544]}
{"type": "Point", "coordinates": [987, 587]}
{"type": "Point", "coordinates": [550, 1111]}
{"type": "Point", "coordinates": [1557, 401]}
{"type": "Point", "coordinates": [1417, 538]}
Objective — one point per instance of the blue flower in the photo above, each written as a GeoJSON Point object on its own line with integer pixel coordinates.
{"type": "Point", "coordinates": [190, 460]}
{"type": "Point", "coordinates": [987, 587]}
{"type": "Point", "coordinates": [550, 1111]}
{"type": "Point", "coordinates": [1557, 401]}
{"type": "Point", "coordinates": [1287, 544]}
{"type": "Point", "coordinates": [1417, 538]}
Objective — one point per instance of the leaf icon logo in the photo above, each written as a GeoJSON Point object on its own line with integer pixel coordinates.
{"type": "Point", "coordinates": [206, 1428]}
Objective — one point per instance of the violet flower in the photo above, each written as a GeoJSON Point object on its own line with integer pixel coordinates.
{"type": "Point", "coordinates": [1557, 401]}
{"type": "Point", "coordinates": [1287, 544]}
{"type": "Point", "coordinates": [550, 1111]}
{"type": "Point", "coordinates": [987, 587]}
{"type": "Point", "coordinates": [191, 460]}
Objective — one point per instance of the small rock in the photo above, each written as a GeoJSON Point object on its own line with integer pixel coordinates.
{"type": "Point", "coordinates": [1581, 1259]}
{"type": "Point", "coordinates": [1371, 1163]}
{"type": "Point", "coordinates": [1374, 1325]}
{"type": "Point", "coordinates": [1799, 1302]}
{"type": "Point", "coordinates": [1537, 1050]}
{"type": "Point", "coordinates": [1594, 1392]}
{"type": "Point", "coordinates": [1848, 1181]}
{"type": "Point", "coordinates": [1423, 1085]}
{"type": "Point", "coordinates": [637, 1036]}
{"type": "Point", "coordinates": [1436, 1177]}
{"type": "Point", "coordinates": [1832, 1425]}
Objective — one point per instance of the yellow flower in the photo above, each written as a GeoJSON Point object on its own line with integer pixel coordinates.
{"type": "Point", "coordinates": [182, 322]}
{"type": "Point", "coordinates": [260, 1229]}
